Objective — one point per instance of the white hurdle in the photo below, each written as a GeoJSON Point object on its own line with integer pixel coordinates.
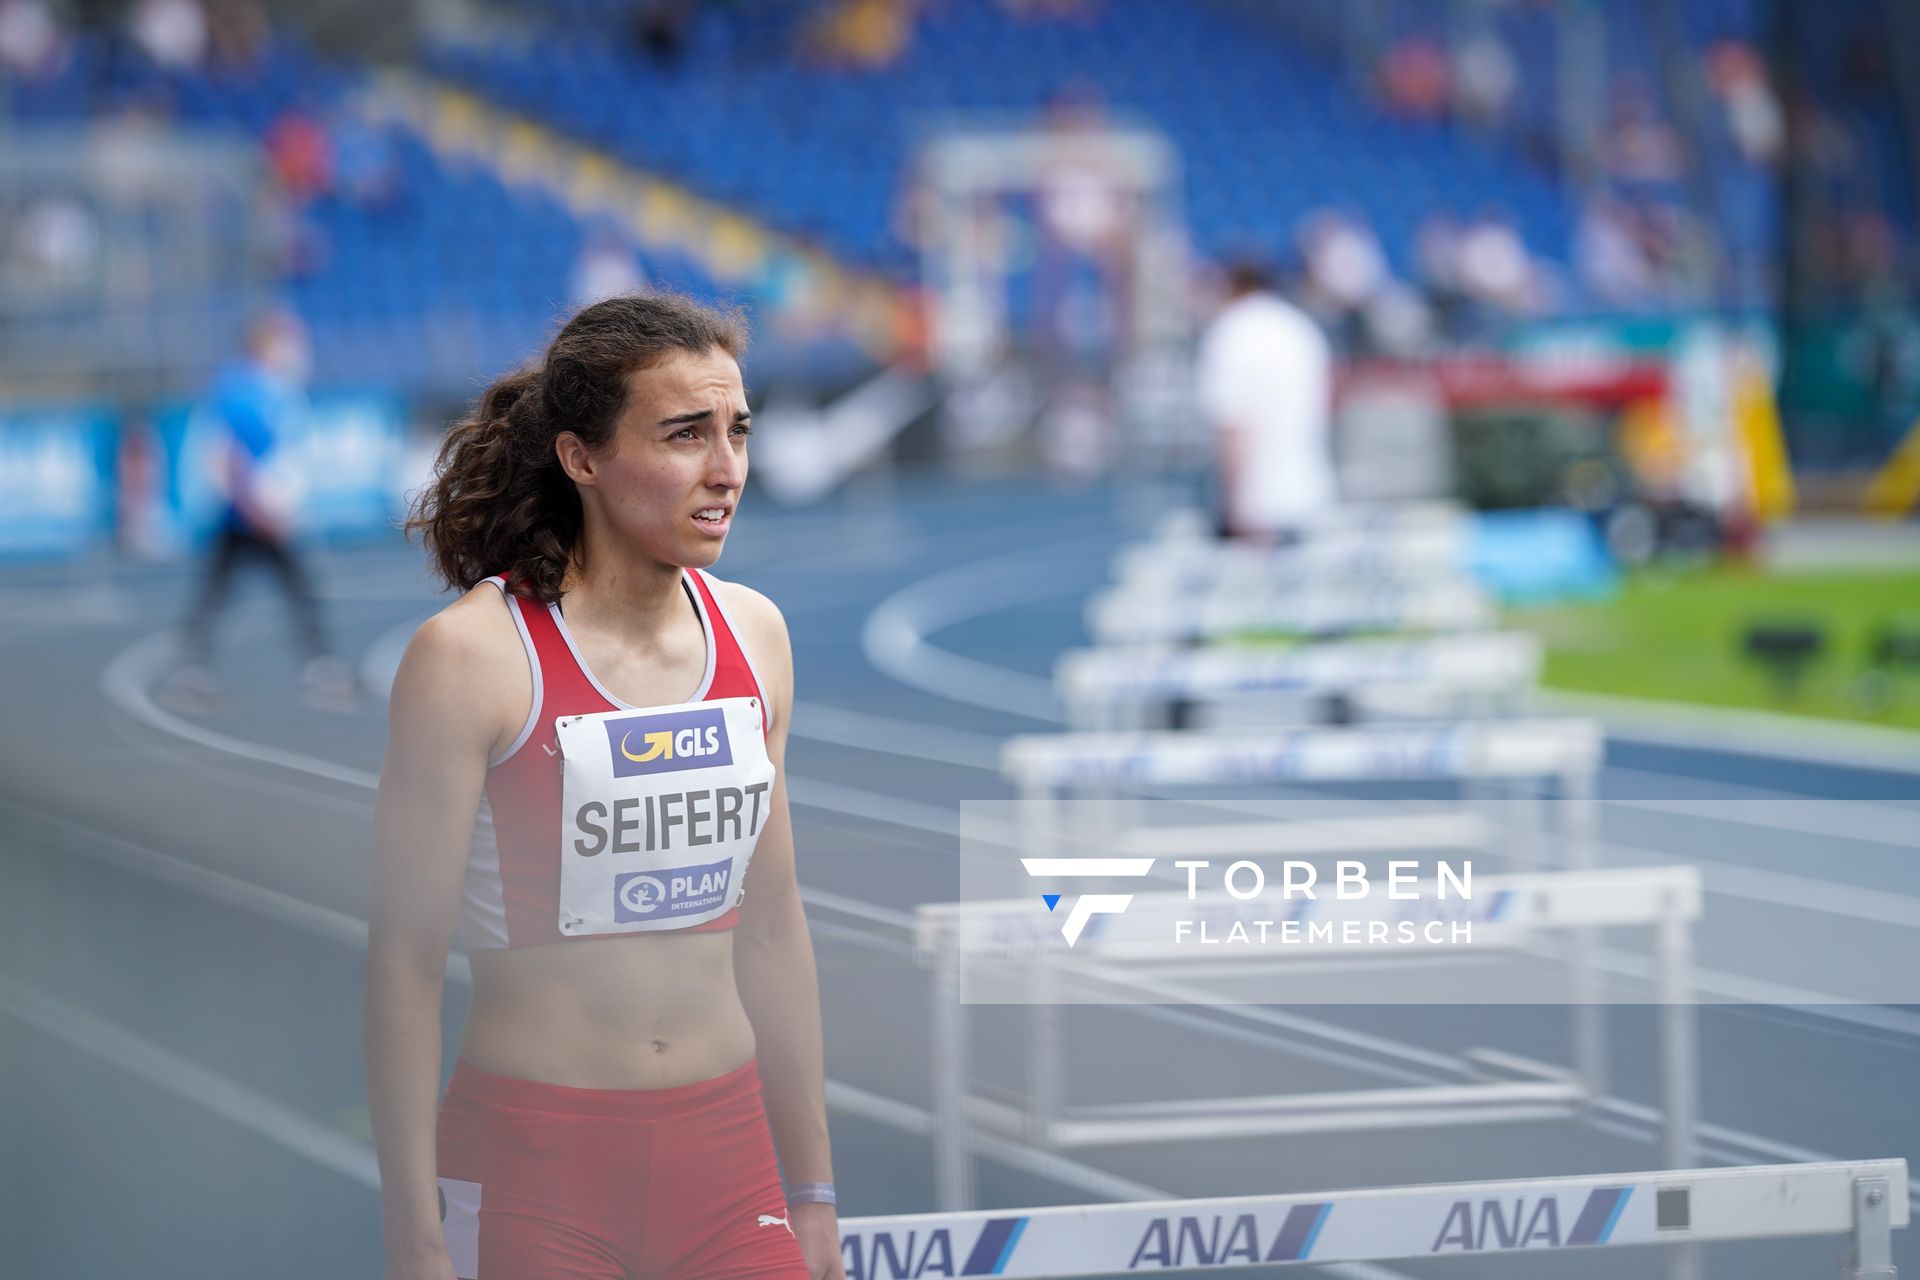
{"type": "Point", "coordinates": [1863, 1200]}
{"type": "Point", "coordinates": [1042, 767]}
{"type": "Point", "coordinates": [1440, 550]}
{"type": "Point", "coordinates": [1131, 615]}
{"type": "Point", "coordinates": [1187, 527]}
{"type": "Point", "coordinates": [1105, 688]}
{"type": "Point", "coordinates": [1505, 913]}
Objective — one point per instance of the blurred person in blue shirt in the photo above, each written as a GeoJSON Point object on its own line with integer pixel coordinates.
{"type": "Point", "coordinates": [258, 403]}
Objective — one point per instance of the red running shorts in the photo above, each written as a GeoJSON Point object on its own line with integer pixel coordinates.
{"type": "Point", "coordinates": [544, 1182]}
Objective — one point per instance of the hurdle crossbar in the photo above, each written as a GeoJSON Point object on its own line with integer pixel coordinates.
{"type": "Point", "coordinates": [1504, 912]}
{"type": "Point", "coordinates": [1470, 749]}
{"type": "Point", "coordinates": [1130, 615]}
{"type": "Point", "coordinates": [1115, 687]}
{"type": "Point", "coordinates": [1198, 566]}
{"type": "Point", "coordinates": [1864, 1200]}
{"type": "Point", "coordinates": [1189, 526]}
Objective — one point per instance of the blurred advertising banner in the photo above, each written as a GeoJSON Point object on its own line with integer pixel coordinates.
{"type": "Point", "coordinates": [56, 480]}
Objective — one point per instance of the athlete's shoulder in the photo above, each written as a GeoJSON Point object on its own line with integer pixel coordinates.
{"type": "Point", "coordinates": [471, 636]}
{"type": "Point", "coordinates": [750, 610]}
{"type": "Point", "coordinates": [762, 631]}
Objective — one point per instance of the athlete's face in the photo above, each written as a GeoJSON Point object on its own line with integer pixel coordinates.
{"type": "Point", "coordinates": [670, 478]}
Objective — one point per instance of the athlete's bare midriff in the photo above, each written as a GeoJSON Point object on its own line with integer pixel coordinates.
{"type": "Point", "coordinates": [643, 1011]}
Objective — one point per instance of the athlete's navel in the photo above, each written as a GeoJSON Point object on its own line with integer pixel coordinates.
{"type": "Point", "coordinates": [658, 1046]}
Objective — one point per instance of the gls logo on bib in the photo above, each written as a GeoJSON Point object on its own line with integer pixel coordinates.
{"type": "Point", "coordinates": [666, 743]}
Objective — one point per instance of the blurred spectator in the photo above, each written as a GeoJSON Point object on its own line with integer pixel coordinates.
{"type": "Point", "coordinates": [1345, 266]}
{"type": "Point", "coordinates": [1264, 375]}
{"type": "Point", "coordinates": [1398, 322]}
{"type": "Point", "coordinates": [259, 402]}
{"type": "Point", "coordinates": [1416, 81]}
{"type": "Point", "coordinates": [862, 35]}
{"type": "Point", "coordinates": [1753, 114]}
{"type": "Point", "coordinates": [31, 42]}
{"type": "Point", "coordinates": [606, 268]}
{"type": "Point", "coordinates": [1640, 146]}
{"type": "Point", "coordinates": [1493, 266]}
{"type": "Point", "coordinates": [1437, 255]}
{"type": "Point", "coordinates": [237, 33]}
{"type": "Point", "coordinates": [366, 168]}
{"type": "Point", "coordinates": [1609, 259]}
{"type": "Point", "coordinates": [172, 32]}
{"type": "Point", "coordinates": [300, 154]}
{"type": "Point", "coordinates": [1684, 254]}
{"type": "Point", "coordinates": [1485, 78]}
{"type": "Point", "coordinates": [55, 245]}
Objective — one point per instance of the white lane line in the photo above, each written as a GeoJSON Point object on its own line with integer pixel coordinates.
{"type": "Point", "coordinates": [914, 740]}
{"type": "Point", "coordinates": [895, 635]}
{"type": "Point", "coordinates": [124, 683]}
{"type": "Point", "coordinates": [813, 793]}
{"type": "Point", "coordinates": [166, 1070]}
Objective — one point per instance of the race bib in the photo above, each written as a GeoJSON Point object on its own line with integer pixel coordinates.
{"type": "Point", "coordinates": [660, 809]}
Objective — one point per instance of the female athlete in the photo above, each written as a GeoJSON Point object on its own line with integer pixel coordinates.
{"type": "Point", "coordinates": [640, 960]}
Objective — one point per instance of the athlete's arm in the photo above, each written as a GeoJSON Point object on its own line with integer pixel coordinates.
{"type": "Point", "coordinates": [773, 961]}
{"type": "Point", "coordinates": [451, 698]}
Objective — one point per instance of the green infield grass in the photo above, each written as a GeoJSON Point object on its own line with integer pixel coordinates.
{"type": "Point", "coordinates": [1677, 635]}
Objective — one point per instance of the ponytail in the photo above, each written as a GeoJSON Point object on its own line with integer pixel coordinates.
{"type": "Point", "coordinates": [499, 501]}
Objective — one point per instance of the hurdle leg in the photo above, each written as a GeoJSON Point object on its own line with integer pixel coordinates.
{"type": "Point", "coordinates": [1528, 827]}
{"type": "Point", "coordinates": [1577, 808]}
{"type": "Point", "coordinates": [1123, 809]}
{"type": "Point", "coordinates": [1871, 1255]}
{"type": "Point", "coordinates": [952, 1153]}
{"type": "Point", "coordinates": [1680, 1072]}
{"type": "Point", "coordinates": [1679, 1069]}
{"type": "Point", "coordinates": [1045, 1050]}
{"type": "Point", "coordinates": [1036, 820]}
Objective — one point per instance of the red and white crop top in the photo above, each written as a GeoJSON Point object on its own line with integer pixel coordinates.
{"type": "Point", "coordinates": [513, 893]}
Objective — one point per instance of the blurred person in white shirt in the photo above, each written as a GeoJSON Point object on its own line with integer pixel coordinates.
{"type": "Point", "coordinates": [31, 42]}
{"type": "Point", "coordinates": [172, 32]}
{"type": "Point", "coordinates": [1265, 382]}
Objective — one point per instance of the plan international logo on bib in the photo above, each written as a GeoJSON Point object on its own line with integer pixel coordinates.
{"type": "Point", "coordinates": [669, 742]}
{"type": "Point", "coordinates": [676, 891]}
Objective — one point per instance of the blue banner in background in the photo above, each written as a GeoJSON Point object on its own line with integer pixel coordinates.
{"type": "Point", "coordinates": [1538, 556]}
{"type": "Point", "coordinates": [56, 480]}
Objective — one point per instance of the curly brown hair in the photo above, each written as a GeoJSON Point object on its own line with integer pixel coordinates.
{"type": "Point", "coordinates": [499, 501]}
